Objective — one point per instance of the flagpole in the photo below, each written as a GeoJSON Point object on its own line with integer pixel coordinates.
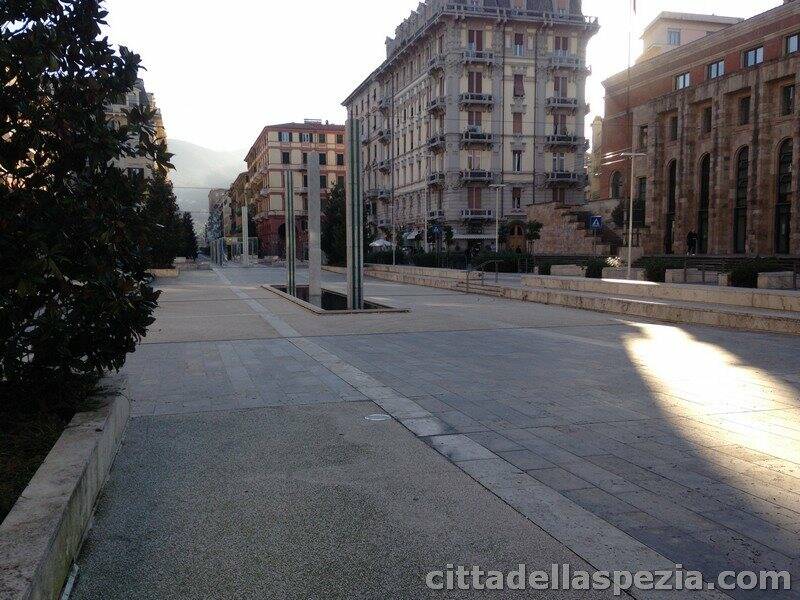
{"type": "Point", "coordinates": [630, 113]}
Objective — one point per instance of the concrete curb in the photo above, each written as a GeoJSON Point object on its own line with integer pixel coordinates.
{"type": "Point", "coordinates": [40, 537]}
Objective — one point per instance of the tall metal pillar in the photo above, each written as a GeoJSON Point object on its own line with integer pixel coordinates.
{"type": "Point", "coordinates": [314, 230]}
{"type": "Point", "coordinates": [355, 219]}
{"type": "Point", "coordinates": [245, 236]}
{"type": "Point", "coordinates": [291, 234]}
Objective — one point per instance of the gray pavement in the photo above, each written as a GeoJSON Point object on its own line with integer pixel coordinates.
{"type": "Point", "coordinates": [634, 444]}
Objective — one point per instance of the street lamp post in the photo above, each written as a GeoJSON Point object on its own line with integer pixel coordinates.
{"type": "Point", "coordinates": [632, 156]}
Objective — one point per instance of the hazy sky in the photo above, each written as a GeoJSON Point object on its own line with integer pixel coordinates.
{"type": "Point", "coordinates": [223, 70]}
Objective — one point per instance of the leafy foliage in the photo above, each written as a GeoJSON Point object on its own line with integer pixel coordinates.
{"type": "Point", "coordinates": [189, 236]}
{"type": "Point", "coordinates": [334, 226]}
{"type": "Point", "coordinates": [73, 226]}
{"type": "Point", "coordinates": [166, 225]}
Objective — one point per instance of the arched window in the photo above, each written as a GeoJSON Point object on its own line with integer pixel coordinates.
{"type": "Point", "coordinates": [783, 207]}
{"type": "Point", "coordinates": [672, 194]}
{"type": "Point", "coordinates": [740, 201]}
{"type": "Point", "coordinates": [616, 185]}
{"type": "Point", "coordinates": [702, 208]}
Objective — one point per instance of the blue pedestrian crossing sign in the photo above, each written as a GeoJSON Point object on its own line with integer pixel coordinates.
{"type": "Point", "coordinates": [595, 222]}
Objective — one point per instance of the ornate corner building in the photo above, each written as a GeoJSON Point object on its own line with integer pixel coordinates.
{"type": "Point", "coordinates": [717, 124]}
{"type": "Point", "coordinates": [475, 95]}
{"type": "Point", "coordinates": [277, 149]}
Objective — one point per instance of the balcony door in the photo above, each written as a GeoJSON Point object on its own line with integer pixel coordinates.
{"type": "Point", "coordinates": [474, 198]}
{"type": "Point", "coordinates": [475, 40]}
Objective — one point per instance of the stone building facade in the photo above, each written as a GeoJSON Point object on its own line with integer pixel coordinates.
{"type": "Point", "coordinates": [717, 121]}
{"type": "Point", "coordinates": [474, 95]}
{"type": "Point", "coordinates": [286, 147]}
{"type": "Point", "coordinates": [139, 97]}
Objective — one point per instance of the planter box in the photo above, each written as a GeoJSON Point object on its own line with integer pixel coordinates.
{"type": "Point", "coordinates": [780, 280]}
{"type": "Point", "coordinates": [568, 271]}
{"type": "Point", "coordinates": [41, 536]}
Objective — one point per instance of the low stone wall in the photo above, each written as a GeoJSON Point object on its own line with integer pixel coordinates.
{"type": "Point", "coordinates": [622, 273]}
{"type": "Point", "coordinates": [332, 269]}
{"type": "Point", "coordinates": [40, 537]}
{"type": "Point", "coordinates": [164, 273]}
{"type": "Point", "coordinates": [709, 294]}
{"type": "Point", "coordinates": [780, 280]}
{"type": "Point", "coordinates": [691, 276]}
{"type": "Point", "coordinates": [568, 271]}
{"type": "Point", "coordinates": [419, 271]}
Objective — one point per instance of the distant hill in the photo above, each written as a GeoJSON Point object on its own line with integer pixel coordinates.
{"type": "Point", "coordinates": [199, 167]}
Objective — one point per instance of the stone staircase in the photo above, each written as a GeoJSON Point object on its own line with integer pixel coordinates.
{"type": "Point", "coordinates": [566, 231]}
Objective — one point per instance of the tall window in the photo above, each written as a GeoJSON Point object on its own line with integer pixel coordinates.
{"type": "Point", "coordinates": [519, 86]}
{"type": "Point", "coordinates": [716, 69]}
{"type": "Point", "coordinates": [340, 160]}
{"type": "Point", "coordinates": [787, 99]}
{"type": "Point", "coordinates": [475, 40]}
{"type": "Point", "coordinates": [474, 198]}
{"type": "Point", "coordinates": [674, 37]}
{"type": "Point", "coordinates": [707, 119]}
{"type": "Point", "coordinates": [744, 110]}
{"type": "Point", "coordinates": [474, 118]}
{"type": "Point", "coordinates": [516, 198]}
{"type": "Point", "coordinates": [285, 158]}
{"type": "Point", "coordinates": [792, 43]}
{"type": "Point", "coordinates": [562, 45]}
{"type": "Point", "coordinates": [516, 161]}
{"type": "Point", "coordinates": [559, 162]}
{"type": "Point", "coordinates": [323, 158]}
{"type": "Point", "coordinates": [672, 196]}
{"type": "Point", "coordinates": [754, 57]}
{"type": "Point", "coordinates": [740, 203]}
{"type": "Point", "coordinates": [475, 82]}
{"type": "Point", "coordinates": [642, 137]}
{"type": "Point", "coordinates": [517, 123]}
{"type": "Point", "coordinates": [704, 200]}
{"type": "Point", "coordinates": [783, 208]}
{"type": "Point", "coordinates": [519, 44]}
{"type": "Point", "coordinates": [560, 124]}
{"type": "Point", "coordinates": [616, 185]}
{"type": "Point", "coordinates": [560, 87]}
{"type": "Point", "coordinates": [683, 80]}
{"type": "Point", "coordinates": [284, 136]}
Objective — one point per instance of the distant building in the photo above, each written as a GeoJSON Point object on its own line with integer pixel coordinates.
{"type": "Point", "coordinates": [138, 96]}
{"type": "Point", "coordinates": [718, 124]}
{"type": "Point", "coordinates": [239, 197]}
{"type": "Point", "coordinates": [670, 30]}
{"type": "Point", "coordinates": [282, 148]}
{"type": "Point", "coordinates": [219, 222]}
{"type": "Point", "coordinates": [595, 159]}
{"type": "Point", "coordinates": [471, 94]}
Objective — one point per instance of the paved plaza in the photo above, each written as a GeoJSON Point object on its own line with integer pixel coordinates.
{"type": "Point", "coordinates": [522, 433]}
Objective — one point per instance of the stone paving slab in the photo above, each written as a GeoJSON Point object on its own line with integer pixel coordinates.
{"type": "Point", "coordinates": [655, 419]}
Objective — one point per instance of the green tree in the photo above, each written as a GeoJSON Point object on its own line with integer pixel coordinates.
{"type": "Point", "coordinates": [533, 232]}
{"type": "Point", "coordinates": [166, 240]}
{"type": "Point", "coordinates": [76, 296]}
{"type": "Point", "coordinates": [189, 237]}
{"type": "Point", "coordinates": [449, 238]}
{"type": "Point", "coordinates": [334, 226]}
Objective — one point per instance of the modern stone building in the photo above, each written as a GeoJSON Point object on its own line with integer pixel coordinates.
{"type": "Point", "coordinates": [473, 95]}
{"type": "Point", "coordinates": [115, 113]}
{"type": "Point", "coordinates": [718, 124]}
{"type": "Point", "coordinates": [282, 147]}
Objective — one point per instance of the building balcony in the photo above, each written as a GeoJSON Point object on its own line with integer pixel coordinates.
{"type": "Point", "coordinates": [384, 222]}
{"type": "Point", "coordinates": [483, 57]}
{"type": "Point", "coordinates": [473, 99]}
{"type": "Point", "coordinates": [365, 137]}
{"type": "Point", "coordinates": [263, 192]}
{"type": "Point", "coordinates": [564, 140]}
{"type": "Point", "coordinates": [435, 215]}
{"type": "Point", "coordinates": [476, 176]}
{"type": "Point", "coordinates": [436, 178]}
{"type": "Point", "coordinates": [378, 194]}
{"type": "Point", "coordinates": [384, 104]}
{"type": "Point", "coordinates": [479, 214]}
{"type": "Point", "coordinates": [385, 135]}
{"type": "Point", "coordinates": [516, 212]}
{"type": "Point", "coordinates": [435, 64]}
{"type": "Point", "coordinates": [475, 137]}
{"type": "Point", "coordinates": [437, 105]}
{"type": "Point", "coordinates": [566, 60]}
{"type": "Point", "coordinates": [436, 143]}
{"type": "Point", "coordinates": [559, 103]}
{"type": "Point", "coordinates": [565, 178]}
{"type": "Point", "coordinates": [385, 165]}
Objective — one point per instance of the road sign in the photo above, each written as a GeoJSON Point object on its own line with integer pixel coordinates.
{"type": "Point", "coordinates": [595, 222]}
